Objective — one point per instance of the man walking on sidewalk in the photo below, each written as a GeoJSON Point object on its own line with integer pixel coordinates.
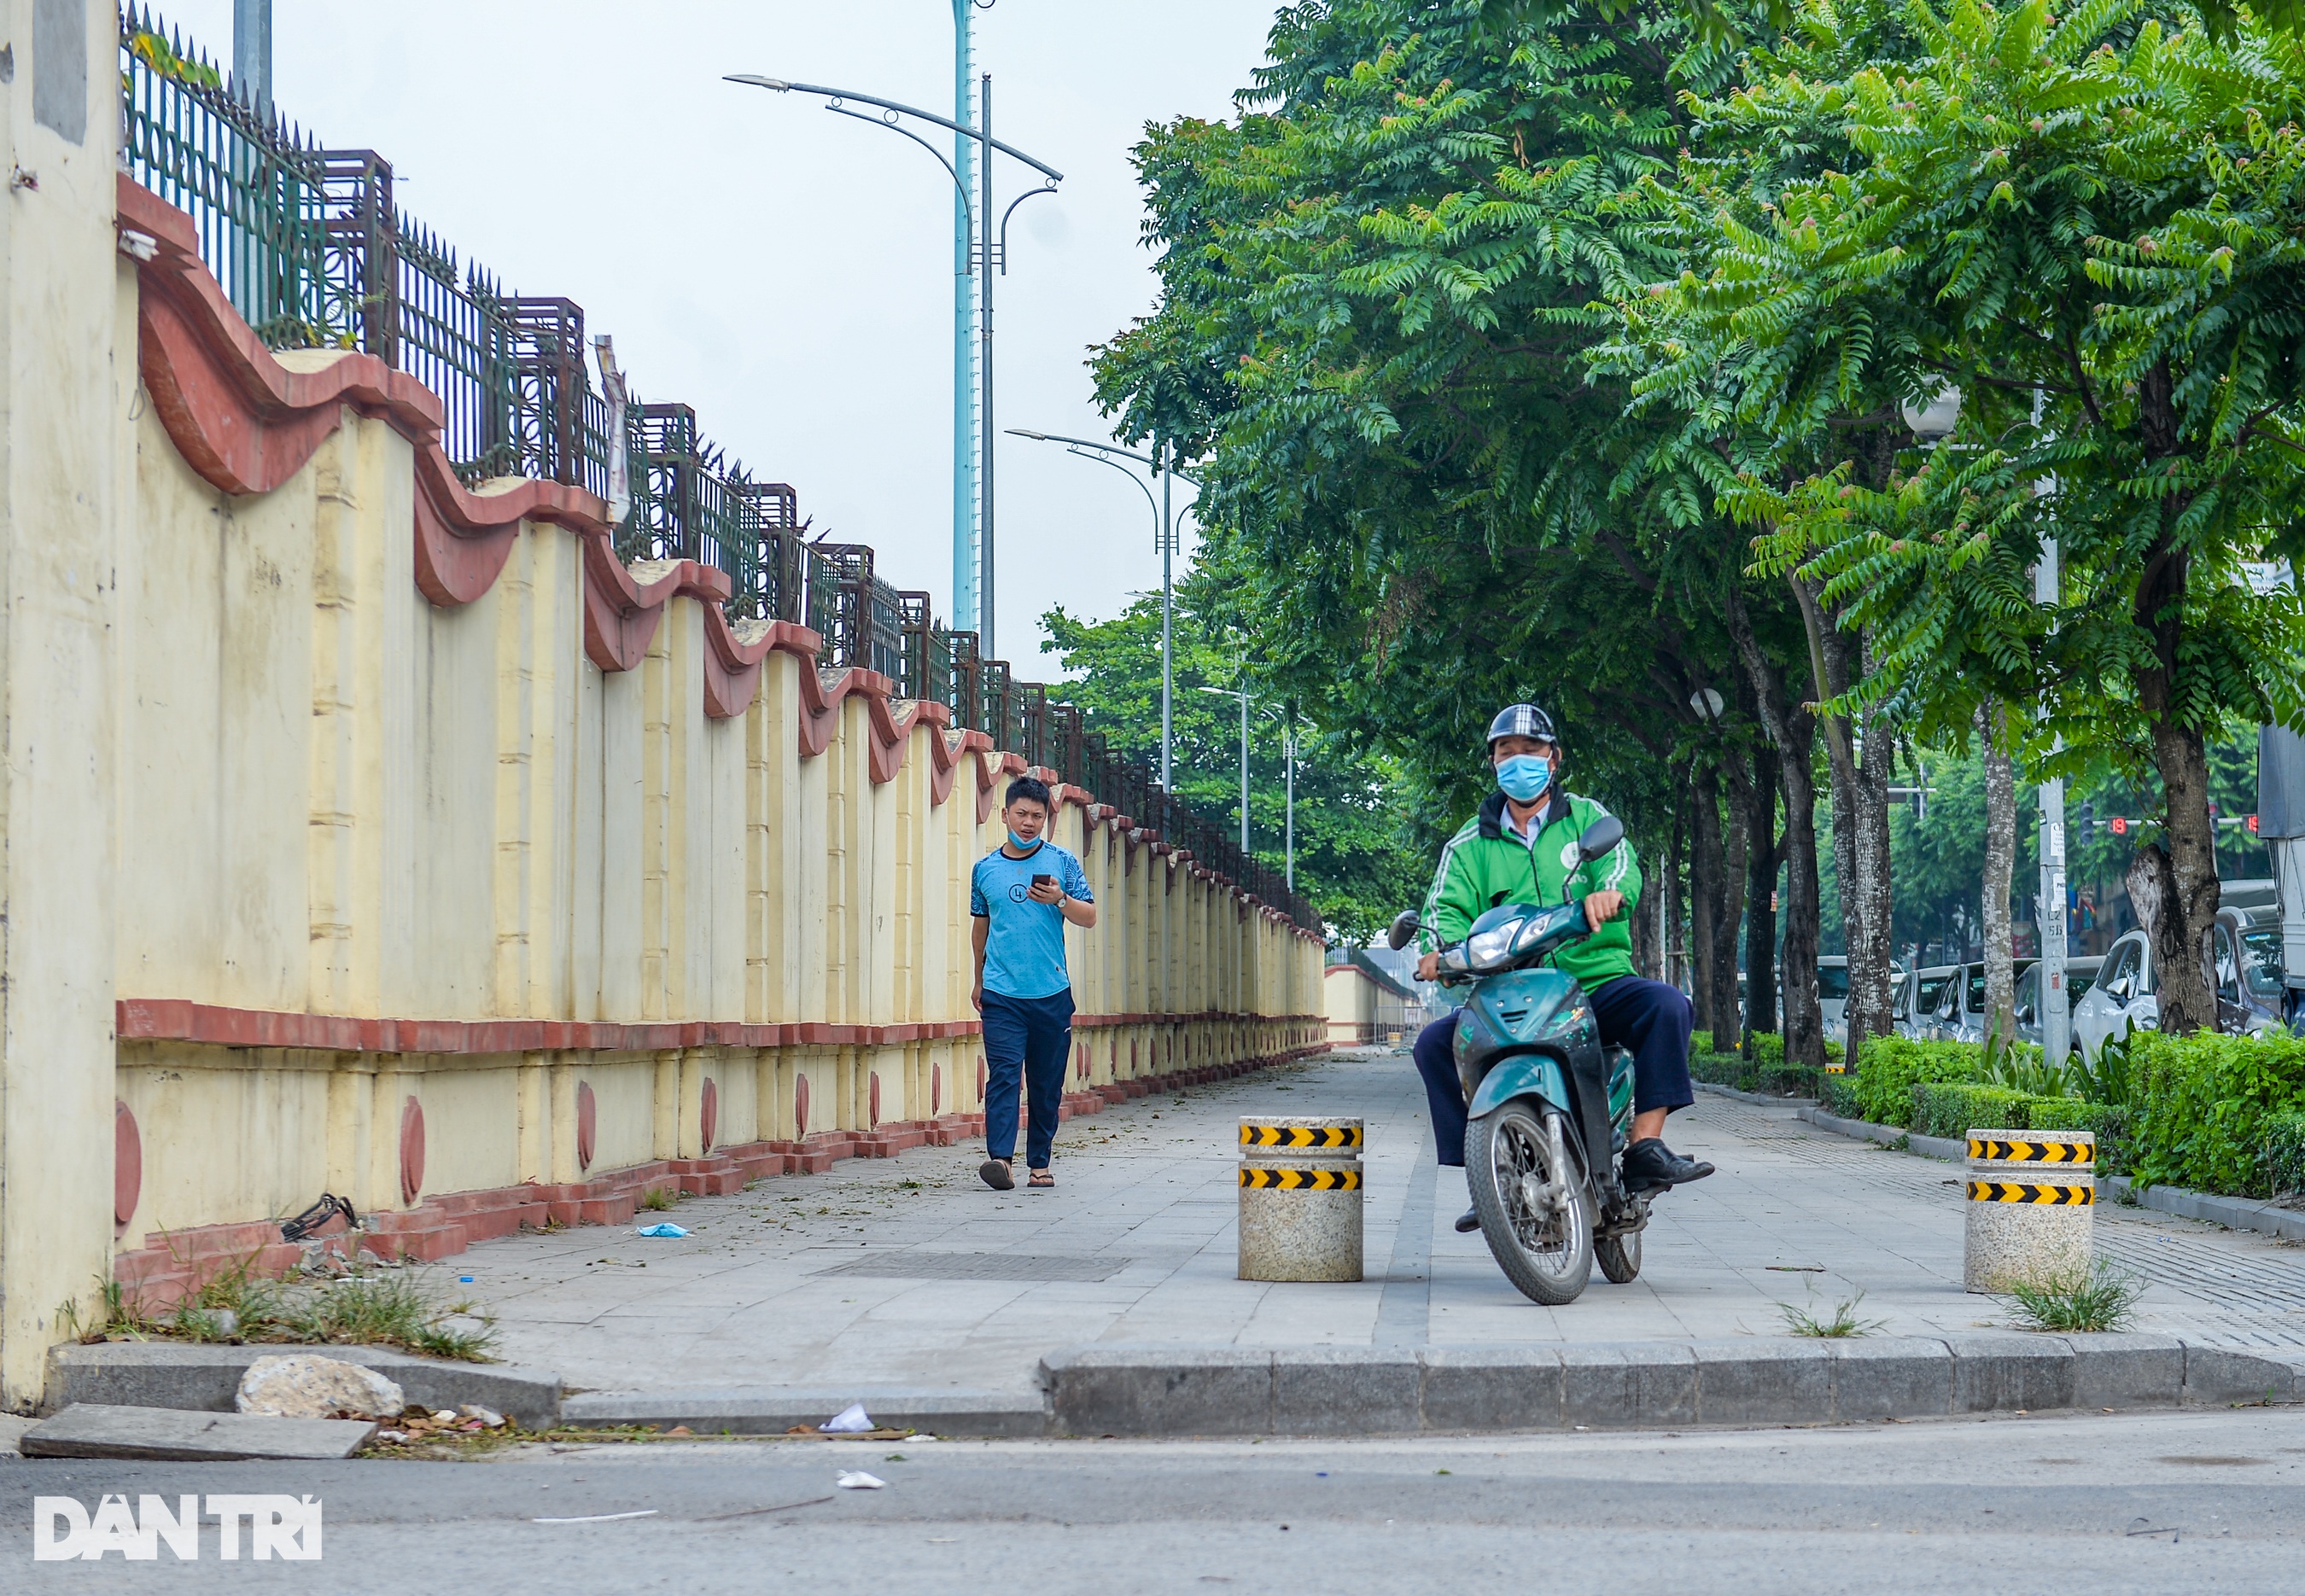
{"type": "Point", "coordinates": [1020, 899]}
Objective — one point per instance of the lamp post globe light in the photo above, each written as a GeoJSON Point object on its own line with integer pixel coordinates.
{"type": "Point", "coordinates": [981, 245]}
{"type": "Point", "coordinates": [1163, 462]}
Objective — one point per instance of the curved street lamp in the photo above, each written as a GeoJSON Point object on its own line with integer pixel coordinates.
{"type": "Point", "coordinates": [1164, 531]}
{"type": "Point", "coordinates": [987, 246]}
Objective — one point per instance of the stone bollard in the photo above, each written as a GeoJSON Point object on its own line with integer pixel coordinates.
{"type": "Point", "coordinates": [1300, 1199]}
{"type": "Point", "coordinates": [2032, 1198]}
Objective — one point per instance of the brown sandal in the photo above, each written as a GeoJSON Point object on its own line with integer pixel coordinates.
{"type": "Point", "coordinates": [1041, 1180]}
{"type": "Point", "coordinates": [995, 1174]}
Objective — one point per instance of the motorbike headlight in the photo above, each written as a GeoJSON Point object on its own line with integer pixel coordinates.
{"type": "Point", "coordinates": [1493, 945]}
{"type": "Point", "coordinates": [1531, 932]}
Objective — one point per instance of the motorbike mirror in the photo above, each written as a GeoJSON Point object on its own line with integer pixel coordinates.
{"type": "Point", "coordinates": [1600, 836]}
{"type": "Point", "coordinates": [1405, 925]}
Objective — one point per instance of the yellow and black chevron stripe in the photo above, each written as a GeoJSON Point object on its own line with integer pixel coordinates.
{"type": "Point", "coordinates": [2010, 1191]}
{"type": "Point", "coordinates": [2033, 1152]}
{"type": "Point", "coordinates": [1300, 1135]}
{"type": "Point", "coordinates": [1301, 1180]}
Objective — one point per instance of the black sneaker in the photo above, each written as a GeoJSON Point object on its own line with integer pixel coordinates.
{"type": "Point", "coordinates": [1469, 1221]}
{"type": "Point", "coordinates": [1651, 1166]}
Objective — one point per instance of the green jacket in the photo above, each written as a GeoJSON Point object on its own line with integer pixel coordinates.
{"type": "Point", "coordinates": [1485, 864]}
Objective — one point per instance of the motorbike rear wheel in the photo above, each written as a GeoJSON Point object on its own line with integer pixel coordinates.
{"type": "Point", "coordinates": [1535, 1213]}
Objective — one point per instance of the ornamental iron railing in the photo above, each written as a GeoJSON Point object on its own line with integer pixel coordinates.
{"type": "Point", "coordinates": [312, 248]}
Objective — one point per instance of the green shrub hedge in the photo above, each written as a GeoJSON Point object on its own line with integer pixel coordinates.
{"type": "Point", "coordinates": [2204, 1105]}
{"type": "Point", "coordinates": [2285, 1154]}
{"type": "Point", "coordinates": [1891, 1066]}
{"type": "Point", "coordinates": [1956, 1107]}
{"type": "Point", "coordinates": [2108, 1121]}
{"type": "Point", "coordinates": [1768, 1048]}
{"type": "Point", "coordinates": [1775, 1080]}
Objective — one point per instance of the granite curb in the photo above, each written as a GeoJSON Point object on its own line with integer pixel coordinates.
{"type": "Point", "coordinates": [1952, 1149]}
{"type": "Point", "coordinates": [201, 1377]}
{"type": "Point", "coordinates": [1761, 1098]}
{"type": "Point", "coordinates": [739, 1412]}
{"type": "Point", "coordinates": [1639, 1384]}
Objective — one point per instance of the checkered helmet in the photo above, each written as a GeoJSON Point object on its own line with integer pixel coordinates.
{"type": "Point", "coordinates": [1523, 720]}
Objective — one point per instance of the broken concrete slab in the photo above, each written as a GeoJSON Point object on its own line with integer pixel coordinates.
{"type": "Point", "coordinates": [172, 1435]}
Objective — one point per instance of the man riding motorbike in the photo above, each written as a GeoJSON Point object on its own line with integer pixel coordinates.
{"type": "Point", "coordinates": [1522, 847]}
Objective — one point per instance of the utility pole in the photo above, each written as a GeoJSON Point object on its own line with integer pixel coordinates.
{"type": "Point", "coordinates": [2056, 1007]}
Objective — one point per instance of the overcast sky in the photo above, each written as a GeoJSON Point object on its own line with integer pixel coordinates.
{"type": "Point", "coordinates": [786, 271]}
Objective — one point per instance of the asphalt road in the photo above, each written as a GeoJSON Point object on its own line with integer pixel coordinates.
{"type": "Point", "coordinates": [2095, 1505]}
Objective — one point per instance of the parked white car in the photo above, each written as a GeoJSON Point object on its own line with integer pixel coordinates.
{"type": "Point", "coordinates": [1832, 994]}
{"type": "Point", "coordinates": [2245, 948]}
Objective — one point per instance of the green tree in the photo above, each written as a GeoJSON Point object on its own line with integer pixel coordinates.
{"type": "Point", "coordinates": [1352, 858]}
{"type": "Point", "coordinates": [2089, 227]}
{"type": "Point", "coordinates": [1379, 284]}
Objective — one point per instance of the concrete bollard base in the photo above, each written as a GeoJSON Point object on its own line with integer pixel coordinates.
{"type": "Point", "coordinates": [2031, 1208]}
{"type": "Point", "coordinates": [1300, 1200]}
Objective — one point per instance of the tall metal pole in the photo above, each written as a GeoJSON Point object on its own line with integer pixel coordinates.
{"type": "Point", "coordinates": [1289, 756]}
{"type": "Point", "coordinates": [1244, 774]}
{"type": "Point", "coordinates": [2057, 1010]}
{"type": "Point", "coordinates": [251, 52]}
{"type": "Point", "coordinates": [1167, 453]}
{"type": "Point", "coordinates": [986, 648]}
{"type": "Point", "coordinates": [963, 321]}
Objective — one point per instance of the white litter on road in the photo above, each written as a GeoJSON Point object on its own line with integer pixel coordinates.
{"type": "Point", "coordinates": [851, 1420]}
{"type": "Point", "coordinates": [599, 1517]}
{"type": "Point", "coordinates": [858, 1480]}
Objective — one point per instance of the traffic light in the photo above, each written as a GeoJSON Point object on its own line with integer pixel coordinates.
{"type": "Point", "coordinates": [2252, 825]}
{"type": "Point", "coordinates": [2085, 822]}
{"type": "Point", "coordinates": [2121, 824]}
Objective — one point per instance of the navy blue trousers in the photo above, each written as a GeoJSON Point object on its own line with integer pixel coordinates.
{"type": "Point", "coordinates": [1027, 1041]}
{"type": "Point", "coordinates": [1648, 1016]}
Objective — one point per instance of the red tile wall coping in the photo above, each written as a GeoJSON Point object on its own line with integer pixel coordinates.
{"type": "Point", "coordinates": [246, 423]}
{"type": "Point", "coordinates": [173, 1264]}
{"type": "Point", "coordinates": [171, 1019]}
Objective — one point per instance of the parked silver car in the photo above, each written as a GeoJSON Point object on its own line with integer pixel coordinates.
{"type": "Point", "coordinates": [2081, 974]}
{"type": "Point", "coordinates": [1958, 1015]}
{"type": "Point", "coordinates": [1917, 997]}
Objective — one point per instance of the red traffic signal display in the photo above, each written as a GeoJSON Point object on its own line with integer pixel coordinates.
{"type": "Point", "coordinates": [2121, 824]}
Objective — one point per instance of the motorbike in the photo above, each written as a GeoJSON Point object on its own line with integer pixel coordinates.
{"type": "Point", "coordinates": [1548, 1108]}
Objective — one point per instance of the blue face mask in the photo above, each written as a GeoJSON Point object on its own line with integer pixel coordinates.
{"type": "Point", "coordinates": [1022, 846]}
{"type": "Point", "coordinates": [1524, 776]}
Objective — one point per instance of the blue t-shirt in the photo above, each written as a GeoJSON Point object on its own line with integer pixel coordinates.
{"type": "Point", "coordinates": [1024, 944]}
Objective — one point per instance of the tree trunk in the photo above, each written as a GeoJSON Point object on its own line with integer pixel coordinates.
{"type": "Point", "coordinates": [1670, 904]}
{"type": "Point", "coordinates": [1793, 731]}
{"type": "Point", "coordinates": [1736, 864]}
{"type": "Point", "coordinates": [1860, 768]}
{"type": "Point", "coordinates": [1760, 892]}
{"type": "Point", "coordinates": [1999, 864]}
{"type": "Point", "coordinates": [1704, 877]}
{"type": "Point", "coordinates": [2186, 861]}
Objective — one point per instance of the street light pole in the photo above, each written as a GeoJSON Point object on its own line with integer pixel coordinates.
{"type": "Point", "coordinates": [1165, 529]}
{"type": "Point", "coordinates": [1234, 692]}
{"type": "Point", "coordinates": [988, 249]}
{"type": "Point", "coordinates": [1288, 759]}
{"type": "Point", "coordinates": [965, 442]}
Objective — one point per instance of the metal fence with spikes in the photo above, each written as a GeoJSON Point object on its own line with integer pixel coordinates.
{"type": "Point", "coordinates": [313, 251]}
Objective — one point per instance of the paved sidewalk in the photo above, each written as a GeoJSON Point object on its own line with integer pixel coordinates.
{"type": "Point", "coordinates": [909, 1274]}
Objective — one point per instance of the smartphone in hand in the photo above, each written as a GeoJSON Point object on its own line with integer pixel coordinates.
{"type": "Point", "coordinates": [1044, 881]}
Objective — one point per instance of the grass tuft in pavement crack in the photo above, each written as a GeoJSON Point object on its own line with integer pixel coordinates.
{"type": "Point", "coordinates": [356, 1304]}
{"type": "Point", "coordinates": [1844, 1322]}
{"type": "Point", "coordinates": [2103, 1299]}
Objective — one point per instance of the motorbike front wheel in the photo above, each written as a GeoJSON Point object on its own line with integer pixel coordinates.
{"type": "Point", "coordinates": [1530, 1192]}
